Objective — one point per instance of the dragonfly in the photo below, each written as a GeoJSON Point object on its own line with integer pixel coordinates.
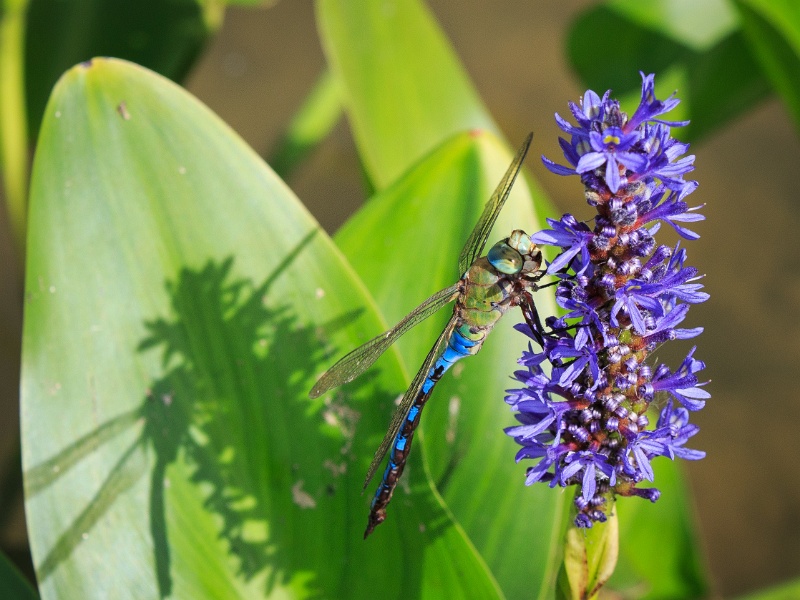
{"type": "Point", "coordinates": [488, 287]}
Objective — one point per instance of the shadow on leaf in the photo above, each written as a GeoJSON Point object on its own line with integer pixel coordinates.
{"type": "Point", "coordinates": [231, 411]}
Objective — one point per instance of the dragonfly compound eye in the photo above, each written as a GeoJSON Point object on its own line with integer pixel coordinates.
{"type": "Point", "coordinates": [505, 259]}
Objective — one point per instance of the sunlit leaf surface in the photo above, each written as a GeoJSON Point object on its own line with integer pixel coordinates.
{"type": "Point", "coordinates": [406, 91]}
{"type": "Point", "coordinates": [180, 303]}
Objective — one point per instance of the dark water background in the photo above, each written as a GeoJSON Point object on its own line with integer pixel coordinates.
{"type": "Point", "coordinates": [747, 491]}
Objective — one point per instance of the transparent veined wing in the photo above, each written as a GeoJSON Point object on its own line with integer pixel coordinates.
{"type": "Point", "coordinates": [362, 358]}
{"type": "Point", "coordinates": [477, 239]}
{"type": "Point", "coordinates": [408, 399]}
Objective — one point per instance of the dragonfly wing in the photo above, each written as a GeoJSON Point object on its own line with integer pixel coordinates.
{"type": "Point", "coordinates": [359, 360]}
{"type": "Point", "coordinates": [477, 239]}
{"type": "Point", "coordinates": [402, 409]}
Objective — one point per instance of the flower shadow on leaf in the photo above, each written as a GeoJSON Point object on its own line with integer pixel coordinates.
{"type": "Point", "coordinates": [232, 411]}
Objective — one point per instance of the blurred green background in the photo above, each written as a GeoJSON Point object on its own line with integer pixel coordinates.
{"type": "Point", "coordinates": [262, 64]}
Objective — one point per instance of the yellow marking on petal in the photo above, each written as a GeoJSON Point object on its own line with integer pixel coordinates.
{"type": "Point", "coordinates": [611, 139]}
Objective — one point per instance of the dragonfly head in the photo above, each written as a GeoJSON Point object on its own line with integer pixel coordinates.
{"type": "Point", "coordinates": [515, 253]}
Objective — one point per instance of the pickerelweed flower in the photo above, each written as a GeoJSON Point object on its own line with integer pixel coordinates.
{"type": "Point", "coordinates": [584, 401]}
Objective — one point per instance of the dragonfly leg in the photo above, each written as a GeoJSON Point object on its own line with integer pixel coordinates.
{"type": "Point", "coordinates": [531, 314]}
{"type": "Point", "coordinates": [536, 288]}
{"type": "Point", "coordinates": [538, 330]}
{"type": "Point", "coordinates": [563, 329]}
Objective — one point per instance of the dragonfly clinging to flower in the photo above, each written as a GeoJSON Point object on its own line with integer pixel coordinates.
{"type": "Point", "coordinates": [488, 287]}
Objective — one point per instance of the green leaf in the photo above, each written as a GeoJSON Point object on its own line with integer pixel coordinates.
{"type": "Point", "coordinates": [405, 243]}
{"type": "Point", "coordinates": [693, 47]}
{"type": "Point", "coordinates": [678, 569]}
{"type": "Point", "coordinates": [405, 93]}
{"type": "Point", "coordinates": [180, 303]}
{"type": "Point", "coordinates": [12, 584]}
{"type": "Point", "coordinates": [590, 556]}
{"type": "Point", "coordinates": [773, 30]}
{"type": "Point", "coordinates": [404, 88]}
{"type": "Point", "coordinates": [697, 25]}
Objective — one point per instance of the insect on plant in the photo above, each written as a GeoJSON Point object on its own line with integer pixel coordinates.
{"type": "Point", "coordinates": [488, 287]}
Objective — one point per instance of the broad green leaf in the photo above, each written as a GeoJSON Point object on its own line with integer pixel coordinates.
{"type": "Point", "coordinates": [773, 30]}
{"type": "Point", "coordinates": [405, 90]}
{"type": "Point", "coordinates": [678, 569]}
{"type": "Point", "coordinates": [693, 47]}
{"type": "Point", "coordinates": [405, 243]}
{"type": "Point", "coordinates": [590, 556]}
{"type": "Point", "coordinates": [12, 584]}
{"type": "Point", "coordinates": [180, 303]}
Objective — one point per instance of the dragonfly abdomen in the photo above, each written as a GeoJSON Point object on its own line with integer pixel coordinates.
{"type": "Point", "coordinates": [458, 346]}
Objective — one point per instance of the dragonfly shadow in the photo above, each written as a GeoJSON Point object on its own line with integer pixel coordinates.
{"type": "Point", "coordinates": [229, 415]}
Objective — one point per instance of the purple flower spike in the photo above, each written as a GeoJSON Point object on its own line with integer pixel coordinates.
{"type": "Point", "coordinates": [583, 403]}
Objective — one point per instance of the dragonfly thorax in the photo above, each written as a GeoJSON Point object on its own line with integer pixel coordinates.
{"type": "Point", "coordinates": [515, 253]}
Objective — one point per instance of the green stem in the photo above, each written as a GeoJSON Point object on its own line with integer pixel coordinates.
{"type": "Point", "coordinates": [590, 556]}
{"type": "Point", "coordinates": [13, 118]}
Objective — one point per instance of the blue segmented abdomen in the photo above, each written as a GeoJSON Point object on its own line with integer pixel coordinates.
{"type": "Point", "coordinates": [458, 346]}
